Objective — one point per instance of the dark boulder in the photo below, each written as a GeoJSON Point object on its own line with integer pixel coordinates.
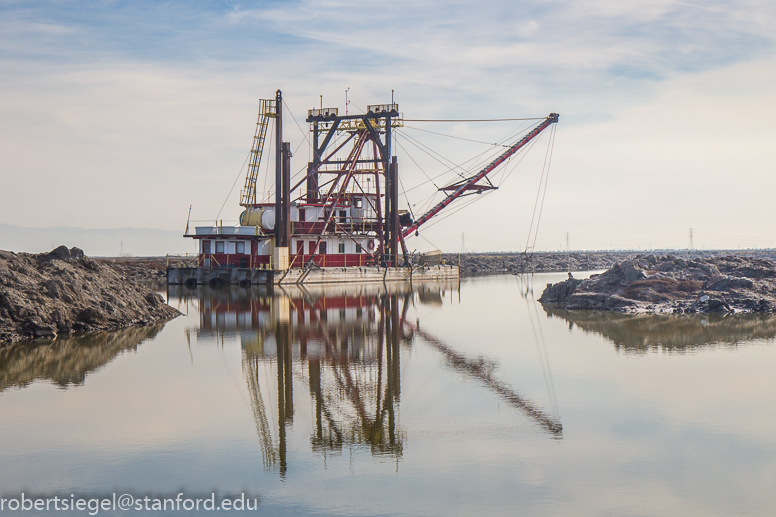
{"type": "Point", "coordinates": [60, 252]}
{"type": "Point", "coordinates": [560, 292]}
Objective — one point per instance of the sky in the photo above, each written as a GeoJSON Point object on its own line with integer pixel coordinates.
{"type": "Point", "coordinates": [119, 114]}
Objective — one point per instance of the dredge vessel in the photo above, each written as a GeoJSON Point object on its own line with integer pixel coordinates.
{"type": "Point", "coordinates": [341, 222]}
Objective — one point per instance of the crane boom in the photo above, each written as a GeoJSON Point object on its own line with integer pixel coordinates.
{"type": "Point", "coordinates": [470, 184]}
{"type": "Point", "coordinates": [266, 112]}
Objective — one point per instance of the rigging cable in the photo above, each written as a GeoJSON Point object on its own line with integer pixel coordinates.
{"type": "Point", "coordinates": [417, 165]}
{"type": "Point", "coordinates": [511, 136]}
{"type": "Point", "coordinates": [546, 181]}
{"type": "Point", "coordinates": [231, 189]}
{"type": "Point", "coordinates": [456, 137]}
{"type": "Point", "coordinates": [544, 178]}
{"type": "Point", "coordinates": [428, 151]}
{"type": "Point", "coordinates": [449, 169]}
{"type": "Point", "coordinates": [304, 135]}
{"type": "Point", "coordinates": [470, 119]}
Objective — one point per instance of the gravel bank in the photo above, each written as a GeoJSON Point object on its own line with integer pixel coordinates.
{"type": "Point", "coordinates": [473, 264]}
{"type": "Point", "coordinates": [62, 292]}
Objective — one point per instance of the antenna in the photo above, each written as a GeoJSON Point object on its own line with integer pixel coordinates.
{"type": "Point", "coordinates": [346, 100]}
{"type": "Point", "coordinates": [391, 95]}
{"type": "Point", "coordinates": [321, 101]}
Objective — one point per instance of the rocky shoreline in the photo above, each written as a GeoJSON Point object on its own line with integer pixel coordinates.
{"type": "Point", "coordinates": [671, 284]}
{"type": "Point", "coordinates": [477, 264]}
{"type": "Point", "coordinates": [64, 292]}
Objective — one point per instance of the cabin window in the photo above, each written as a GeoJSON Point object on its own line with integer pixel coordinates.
{"type": "Point", "coordinates": [358, 248]}
{"type": "Point", "coordinates": [240, 247]}
{"type": "Point", "coordinates": [206, 247]}
{"type": "Point", "coordinates": [358, 202]}
{"type": "Point", "coordinates": [301, 214]}
{"type": "Point", "coordinates": [230, 248]}
{"type": "Point", "coordinates": [342, 215]}
{"type": "Point", "coordinates": [219, 246]}
{"type": "Point", "coordinates": [341, 247]}
{"type": "Point", "coordinates": [322, 248]}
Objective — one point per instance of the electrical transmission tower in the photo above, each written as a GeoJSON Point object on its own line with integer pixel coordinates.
{"type": "Point", "coordinates": [568, 245]}
{"type": "Point", "coordinates": [691, 243]}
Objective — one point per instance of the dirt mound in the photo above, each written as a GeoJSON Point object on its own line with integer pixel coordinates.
{"type": "Point", "coordinates": [63, 291]}
{"type": "Point", "coordinates": [673, 284]}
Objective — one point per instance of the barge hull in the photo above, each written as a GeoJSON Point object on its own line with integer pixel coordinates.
{"type": "Point", "coordinates": [329, 275]}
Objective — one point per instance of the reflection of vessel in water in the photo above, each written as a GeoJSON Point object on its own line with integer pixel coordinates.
{"type": "Point", "coordinates": [644, 332]}
{"type": "Point", "coordinates": [66, 361]}
{"type": "Point", "coordinates": [343, 344]}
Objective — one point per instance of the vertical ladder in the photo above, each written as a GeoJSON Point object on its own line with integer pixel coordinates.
{"type": "Point", "coordinates": [266, 112]}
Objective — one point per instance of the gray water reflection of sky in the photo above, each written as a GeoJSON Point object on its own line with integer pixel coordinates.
{"type": "Point", "coordinates": [649, 433]}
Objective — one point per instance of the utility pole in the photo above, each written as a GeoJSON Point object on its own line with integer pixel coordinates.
{"type": "Point", "coordinates": [568, 245]}
{"type": "Point", "coordinates": [463, 242]}
{"type": "Point", "coordinates": [691, 243]}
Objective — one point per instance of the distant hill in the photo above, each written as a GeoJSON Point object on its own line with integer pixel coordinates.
{"type": "Point", "coordinates": [111, 242]}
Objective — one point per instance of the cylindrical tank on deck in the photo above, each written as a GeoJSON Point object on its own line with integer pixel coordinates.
{"type": "Point", "coordinates": [263, 217]}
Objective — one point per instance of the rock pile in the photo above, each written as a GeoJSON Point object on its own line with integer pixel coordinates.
{"type": "Point", "coordinates": [63, 291]}
{"type": "Point", "coordinates": [499, 263]}
{"type": "Point", "coordinates": [673, 284]}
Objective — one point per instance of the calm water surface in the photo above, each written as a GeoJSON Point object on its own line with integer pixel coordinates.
{"type": "Point", "coordinates": [442, 399]}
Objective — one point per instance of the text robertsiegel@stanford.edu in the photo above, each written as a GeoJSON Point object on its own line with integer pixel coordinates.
{"type": "Point", "coordinates": [127, 502]}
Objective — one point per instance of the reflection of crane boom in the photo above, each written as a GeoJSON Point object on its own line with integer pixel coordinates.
{"type": "Point", "coordinates": [480, 370]}
{"type": "Point", "coordinates": [266, 112]}
{"type": "Point", "coordinates": [268, 452]}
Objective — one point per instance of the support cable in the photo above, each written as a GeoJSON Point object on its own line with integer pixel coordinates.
{"type": "Point", "coordinates": [470, 119]}
{"type": "Point", "coordinates": [448, 168]}
{"type": "Point", "coordinates": [305, 134]}
{"type": "Point", "coordinates": [416, 164]}
{"type": "Point", "coordinates": [546, 181]}
{"type": "Point", "coordinates": [544, 178]}
{"type": "Point", "coordinates": [456, 137]}
{"type": "Point", "coordinates": [429, 151]}
{"type": "Point", "coordinates": [232, 189]}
